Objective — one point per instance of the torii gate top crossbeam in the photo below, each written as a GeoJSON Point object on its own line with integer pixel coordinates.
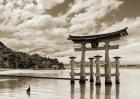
{"type": "Point", "coordinates": [95, 39]}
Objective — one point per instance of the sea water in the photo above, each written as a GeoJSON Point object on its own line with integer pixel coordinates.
{"type": "Point", "coordinates": [15, 87]}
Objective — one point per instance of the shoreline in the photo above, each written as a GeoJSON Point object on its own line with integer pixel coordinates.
{"type": "Point", "coordinates": [67, 68]}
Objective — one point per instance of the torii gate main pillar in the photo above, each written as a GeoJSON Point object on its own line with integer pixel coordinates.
{"type": "Point", "coordinates": [82, 67]}
{"type": "Point", "coordinates": [107, 65]}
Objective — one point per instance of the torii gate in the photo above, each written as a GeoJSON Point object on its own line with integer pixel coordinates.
{"type": "Point", "coordinates": [94, 40]}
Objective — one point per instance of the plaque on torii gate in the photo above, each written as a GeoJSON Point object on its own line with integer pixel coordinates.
{"type": "Point", "coordinates": [94, 40]}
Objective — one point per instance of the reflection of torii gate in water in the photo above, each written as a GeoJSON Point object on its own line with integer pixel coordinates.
{"type": "Point", "coordinates": [94, 40]}
{"type": "Point", "coordinates": [98, 92]}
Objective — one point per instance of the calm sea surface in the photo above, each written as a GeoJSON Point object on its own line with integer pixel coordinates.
{"type": "Point", "coordinates": [15, 88]}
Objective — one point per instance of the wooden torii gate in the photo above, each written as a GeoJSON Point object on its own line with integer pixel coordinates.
{"type": "Point", "coordinates": [94, 40]}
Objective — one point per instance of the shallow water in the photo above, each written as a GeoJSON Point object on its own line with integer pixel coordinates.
{"type": "Point", "coordinates": [15, 88]}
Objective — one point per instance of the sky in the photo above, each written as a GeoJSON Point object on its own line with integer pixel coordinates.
{"type": "Point", "coordinates": [43, 26]}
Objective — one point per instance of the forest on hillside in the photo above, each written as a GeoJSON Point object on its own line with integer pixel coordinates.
{"type": "Point", "coordinates": [14, 60]}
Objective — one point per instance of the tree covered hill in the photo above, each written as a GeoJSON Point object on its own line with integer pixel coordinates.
{"type": "Point", "coordinates": [13, 60]}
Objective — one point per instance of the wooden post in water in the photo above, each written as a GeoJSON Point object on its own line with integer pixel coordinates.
{"type": "Point", "coordinates": [117, 63]}
{"type": "Point", "coordinates": [72, 90]}
{"type": "Point", "coordinates": [82, 90]}
{"type": "Point", "coordinates": [117, 91]}
{"type": "Point", "coordinates": [82, 68]}
{"type": "Point", "coordinates": [107, 65]}
{"type": "Point", "coordinates": [98, 89]}
{"type": "Point", "coordinates": [91, 69]}
{"type": "Point", "coordinates": [91, 91]}
{"type": "Point", "coordinates": [108, 92]}
{"type": "Point", "coordinates": [98, 81]}
{"type": "Point", "coordinates": [72, 73]}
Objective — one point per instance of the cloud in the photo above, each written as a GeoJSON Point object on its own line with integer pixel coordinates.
{"type": "Point", "coordinates": [29, 28]}
{"type": "Point", "coordinates": [94, 6]}
{"type": "Point", "coordinates": [129, 46]}
{"type": "Point", "coordinates": [86, 22]}
{"type": "Point", "coordinates": [48, 4]}
{"type": "Point", "coordinates": [133, 25]}
{"type": "Point", "coordinates": [41, 22]}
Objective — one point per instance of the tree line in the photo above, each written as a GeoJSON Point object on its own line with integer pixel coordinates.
{"type": "Point", "coordinates": [14, 60]}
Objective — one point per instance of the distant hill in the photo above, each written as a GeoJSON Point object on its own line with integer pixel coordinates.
{"type": "Point", "coordinates": [13, 60]}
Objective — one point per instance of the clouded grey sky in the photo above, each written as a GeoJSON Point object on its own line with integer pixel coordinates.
{"type": "Point", "coordinates": [43, 26]}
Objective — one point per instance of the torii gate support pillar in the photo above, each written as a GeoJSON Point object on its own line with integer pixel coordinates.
{"type": "Point", "coordinates": [91, 69]}
{"type": "Point", "coordinates": [117, 63]}
{"type": "Point", "coordinates": [98, 81]}
{"type": "Point", "coordinates": [72, 73]}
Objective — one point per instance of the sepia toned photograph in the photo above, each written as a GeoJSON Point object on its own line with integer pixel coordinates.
{"type": "Point", "coordinates": [69, 49]}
